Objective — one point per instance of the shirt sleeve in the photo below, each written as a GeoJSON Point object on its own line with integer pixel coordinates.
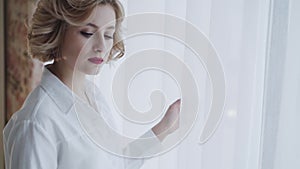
{"type": "Point", "coordinates": [143, 148]}
{"type": "Point", "coordinates": [27, 146]}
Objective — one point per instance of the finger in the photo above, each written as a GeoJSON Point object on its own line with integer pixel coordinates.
{"type": "Point", "coordinates": [176, 103]}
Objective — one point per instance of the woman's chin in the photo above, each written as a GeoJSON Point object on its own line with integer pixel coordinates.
{"type": "Point", "coordinates": [93, 71]}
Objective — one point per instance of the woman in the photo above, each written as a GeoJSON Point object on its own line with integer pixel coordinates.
{"type": "Point", "coordinates": [80, 36]}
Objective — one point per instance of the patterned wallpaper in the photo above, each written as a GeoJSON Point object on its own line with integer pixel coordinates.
{"type": "Point", "coordinates": [22, 73]}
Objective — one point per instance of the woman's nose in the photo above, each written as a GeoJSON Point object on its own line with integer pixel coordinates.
{"type": "Point", "coordinates": [99, 43]}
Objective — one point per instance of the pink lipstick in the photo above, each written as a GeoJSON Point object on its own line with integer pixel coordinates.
{"type": "Point", "coordinates": [96, 60]}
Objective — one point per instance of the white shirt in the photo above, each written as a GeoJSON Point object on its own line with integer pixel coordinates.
{"type": "Point", "coordinates": [46, 134]}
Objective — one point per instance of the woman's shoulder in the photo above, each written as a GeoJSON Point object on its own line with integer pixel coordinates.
{"type": "Point", "coordinates": [36, 103]}
{"type": "Point", "coordinates": [39, 112]}
{"type": "Point", "coordinates": [38, 108]}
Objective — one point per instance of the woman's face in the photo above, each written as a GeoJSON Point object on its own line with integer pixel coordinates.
{"type": "Point", "coordinates": [86, 48]}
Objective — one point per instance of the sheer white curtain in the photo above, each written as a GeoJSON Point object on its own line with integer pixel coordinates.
{"type": "Point", "coordinates": [288, 139]}
{"type": "Point", "coordinates": [281, 141]}
{"type": "Point", "coordinates": [238, 30]}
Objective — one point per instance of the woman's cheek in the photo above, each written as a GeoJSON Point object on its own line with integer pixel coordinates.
{"type": "Point", "coordinates": [81, 49]}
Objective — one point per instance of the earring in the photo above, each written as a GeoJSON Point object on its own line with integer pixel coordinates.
{"type": "Point", "coordinates": [58, 59]}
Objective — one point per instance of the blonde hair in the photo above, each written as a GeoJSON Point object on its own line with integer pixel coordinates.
{"type": "Point", "coordinates": [51, 18]}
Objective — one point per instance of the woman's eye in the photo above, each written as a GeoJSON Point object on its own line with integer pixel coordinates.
{"type": "Point", "coordinates": [108, 37]}
{"type": "Point", "coordinates": [86, 34]}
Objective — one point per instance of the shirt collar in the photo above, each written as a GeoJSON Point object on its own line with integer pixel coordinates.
{"type": "Point", "coordinates": [61, 95]}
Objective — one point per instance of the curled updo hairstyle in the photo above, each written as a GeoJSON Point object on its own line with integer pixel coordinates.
{"type": "Point", "coordinates": [51, 19]}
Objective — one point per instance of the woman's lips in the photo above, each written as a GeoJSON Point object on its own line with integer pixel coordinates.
{"type": "Point", "coordinates": [96, 60]}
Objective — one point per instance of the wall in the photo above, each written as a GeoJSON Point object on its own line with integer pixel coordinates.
{"type": "Point", "coordinates": [20, 74]}
{"type": "Point", "coordinates": [2, 80]}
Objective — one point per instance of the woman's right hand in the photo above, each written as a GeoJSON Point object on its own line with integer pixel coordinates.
{"type": "Point", "coordinates": [170, 121]}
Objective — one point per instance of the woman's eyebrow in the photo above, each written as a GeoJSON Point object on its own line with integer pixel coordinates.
{"type": "Point", "coordinates": [97, 27]}
{"type": "Point", "coordinates": [111, 27]}
{"type": "Point", "coordinates": [92, 25]}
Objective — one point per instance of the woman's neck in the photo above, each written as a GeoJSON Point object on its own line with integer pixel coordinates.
{"type": "Point", "coordinates": [73, 79]}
